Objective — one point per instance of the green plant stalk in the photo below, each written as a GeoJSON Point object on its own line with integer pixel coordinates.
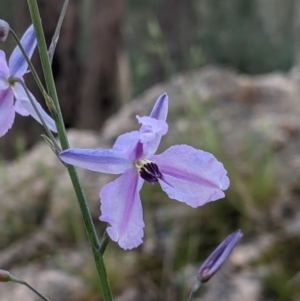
{"type": "Point", "coordinates": [30, 65]}
{"type": "Point", "coordinates": [18, 80]}
{"type": "Point", "coordinates": [20, 281]}
{"type": "Point", "coordinates": [194, 290]}
{"type": "Point", "coordinates": [57, 31]}
{"type": "Point", "coordinates": [88, 222]}
{"type": "Point", "coordinates": [103, 244]}
{"type": "Point", "coordinates": [36, 20]}
{"type": "Point", "coordinates": [49, 102]}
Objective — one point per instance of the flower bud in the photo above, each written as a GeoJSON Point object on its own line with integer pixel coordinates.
{"type": "Point", "coordinates": [4, 29]}
{"type": "Point", "coordinates": [4, 276]}
{"type": "Point", "coordinates": [214, 262]}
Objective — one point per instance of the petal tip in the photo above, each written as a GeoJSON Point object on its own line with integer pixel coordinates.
{"type": "Point", "coordinates": [160, 109]}
{"type": "Point", "coordinates": [225, 183]}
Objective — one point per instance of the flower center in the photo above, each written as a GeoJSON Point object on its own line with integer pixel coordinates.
{"type": "Point", "coordinates": [11, 81]}
{"type": "Point", "coordinates": [149, 171]}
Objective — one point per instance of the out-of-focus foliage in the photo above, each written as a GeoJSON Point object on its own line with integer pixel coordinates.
{"type": "Point", "coordinates": [163, 37]}
{"type": "Point", "coordinates": [7, 13]}
{"type": "Point", "coordinates": [167, 36]}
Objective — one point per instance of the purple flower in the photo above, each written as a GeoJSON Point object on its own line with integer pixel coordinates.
{"type": "Point", "coordinates": [188, 175]}
{"type": "Point", "coordinates": [16, 68]}
{"type": "Point", "coordinates": [214, 262]}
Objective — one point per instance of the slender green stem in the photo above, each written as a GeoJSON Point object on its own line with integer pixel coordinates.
{"type": "Point", "coordinates": [50, 135]}
{"type": "Point", "coordinates": [30, 65]}
{"type": "Point", "coordinates": [194, 290]}
{"type": "Point", "coordinates": [17, 280]}
{"type": "Point", "coordinates": [104, 242]}
{"type": "Point", "coordinates": [191, 295]}
{"type": "Point", "coordinates": [87, 218]}
{"type": "Point", "coordinates": [34, 12]}
{"type": "Point", "coordinates": [57, 31]}
{"type": "Point", "coordinates": [37, 292]}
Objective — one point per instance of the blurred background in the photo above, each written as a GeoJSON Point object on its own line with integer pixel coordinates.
{"type": "Point", "coordinates": [231, 69]}
{"type": "Point", "coordinates": [120, 48]}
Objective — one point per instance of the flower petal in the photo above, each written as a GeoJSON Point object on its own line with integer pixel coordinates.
{"type": "Point", "coordinates": [4, 71]}
{"type": "Point", "coordinates": [150, 127]}
{"type": "Point", "coordinates": [121, 207]}
{"type": "Point", "coordinates": [216, 259]}
{"type": "Point", "coordinates": [17, 63]}
{"type": "Point", "coordinates": [101, 160]}
{"type": "Point", "coordinates": [159, 112]}
{"type": "Point", "coordinates": [151, 132]}
{"type": "Point", "coordinates": [143, 143]}
{"type": "Point", "coordinates": [195, 176]}
{"type": "Point", "coordinates": [22, 97]}
{"type": "Point", "coordinates": [7, 112]}
{"type": "Point", "coordinates": [20, 109]}
{"type": "Point", "coordinates": [129, 145]}
{"type": "Point", "coordinates": [125, 141]}
{"type": "Point", "coordinates": [160, 109]}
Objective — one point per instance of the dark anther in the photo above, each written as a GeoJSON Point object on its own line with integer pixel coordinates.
{"type": "Point", "coordinates": [150, 172]}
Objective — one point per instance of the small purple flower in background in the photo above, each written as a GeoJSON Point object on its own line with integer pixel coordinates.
{"type": "Point", "coordinates": [17, 67]}
{"type": "Point", "coordinates": [4, 30]}
{"type": "Point", "coordinates": [186, 174]}
{"type": "Point", "coordinates": [214, 262]}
